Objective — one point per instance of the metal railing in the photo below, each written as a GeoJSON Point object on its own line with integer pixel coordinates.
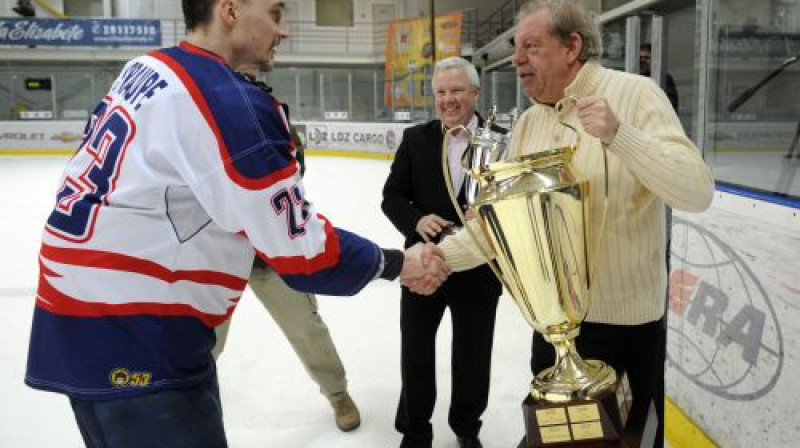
{"type": "Point", "coordinates": [498, 22]}
{"type": "Point", "coordinates": [363, 39]}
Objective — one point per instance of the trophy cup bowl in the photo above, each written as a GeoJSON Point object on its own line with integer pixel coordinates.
{"type": "Point", "coordinates": [534, 212]}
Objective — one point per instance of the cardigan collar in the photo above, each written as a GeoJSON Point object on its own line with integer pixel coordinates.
{"type": "Point", "coordinates": [586, 83]}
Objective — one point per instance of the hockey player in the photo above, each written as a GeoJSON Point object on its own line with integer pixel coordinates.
{"type": "Point", "coordinates": [185, 171]}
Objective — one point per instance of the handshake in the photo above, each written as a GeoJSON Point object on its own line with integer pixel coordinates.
{"type": "Point", "coordinates": [424, 268]}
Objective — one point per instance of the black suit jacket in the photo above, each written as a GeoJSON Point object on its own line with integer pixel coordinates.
{"type": "Point", "coordinates": [416, 188]}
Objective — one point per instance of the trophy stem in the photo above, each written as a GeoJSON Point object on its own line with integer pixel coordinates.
{"type": "Point", "coordinates": [572, 377]}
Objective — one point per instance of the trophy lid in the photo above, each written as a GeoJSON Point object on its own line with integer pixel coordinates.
{"type": "Point", "coordinates": [542, 160]}
{"type": "Point", "coordinates": [538, 172]}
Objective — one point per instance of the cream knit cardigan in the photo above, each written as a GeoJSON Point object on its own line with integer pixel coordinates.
{"type": "Point", "coordinates": [650, 162]}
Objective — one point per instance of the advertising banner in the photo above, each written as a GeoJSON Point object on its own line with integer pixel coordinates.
{"type": "Point", "coordinates": [410, 56]}
{"type": "Point", "coordinates": [325, 138]}
{"type": "Point", "coordinates": [40, 137]}
{"type": "Point", "coordinates": [734, 321]}
{"type": "Point", "coordinates": [80, 32]}
{"type": "Point", "coordinates": [349, 137]}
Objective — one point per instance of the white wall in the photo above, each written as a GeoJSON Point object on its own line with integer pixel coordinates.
{"type": "Point", "coordinates": [5, 8]}
{"type": "Point", "coordinates": [148, 9]}
{"type": "Point", "coordinates": [135, 9]}
{"type": "Point", "coordinates": [306, 9]}
{"type": "Point", "coordinates": [422, 7]}
{"type": "Point", "coordinates": [84, 8]}
{"type": "Point", "coordinates": [169, 9]}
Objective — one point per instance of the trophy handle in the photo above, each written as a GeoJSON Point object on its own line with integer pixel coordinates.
{"type": "Point", "coordinates": [448, 181]}
{"type": "Point", "coordinates": [596, 252]}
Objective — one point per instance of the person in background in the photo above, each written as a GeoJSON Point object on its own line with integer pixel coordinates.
{"type": "Point", "coordinates": [297, 315]}
{"type": "Point", "coordinates": [416, 201]}
{"type": "Point", "coordinates": [186, 171]}
{"type": "Point", "coordinates": [645, 56]}
{"type": "Point", "coordinates": [650, 162]}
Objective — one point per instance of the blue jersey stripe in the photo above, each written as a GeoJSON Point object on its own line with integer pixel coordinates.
{"type": "Point", "coordinates": [256, 143]}
{"type": "Point", "coordinates": [357, 266]}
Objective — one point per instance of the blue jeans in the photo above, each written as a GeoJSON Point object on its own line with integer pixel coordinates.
{"type": "Point", "coordinates": [180, 418]}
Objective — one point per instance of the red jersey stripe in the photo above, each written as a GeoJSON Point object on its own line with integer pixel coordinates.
{"type": "Point", "coordinates": [118, 262]}
{"type": "Point", "coordinates": [51, 299]}
{"type": "Point", "coordinates": [300, 265]}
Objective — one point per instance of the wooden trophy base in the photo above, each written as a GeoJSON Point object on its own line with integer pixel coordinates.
{"type": "Point", "coordinates": [594, 423]}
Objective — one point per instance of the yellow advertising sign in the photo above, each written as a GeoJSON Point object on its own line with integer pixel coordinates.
{"type": "Point", "coordinates": [409, 55]}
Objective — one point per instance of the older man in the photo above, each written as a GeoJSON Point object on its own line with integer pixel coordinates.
{"type": "Point", "coordinates": [650, 162]}
{"type": "Point", "coordinates": [416, 200]}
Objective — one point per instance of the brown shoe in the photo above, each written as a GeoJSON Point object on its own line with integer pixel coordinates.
{"type": "Point", "coordinates": [345, 412]}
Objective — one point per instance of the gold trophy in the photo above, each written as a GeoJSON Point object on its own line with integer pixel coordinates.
{"type": "Point", "coordinates": [534, 212]}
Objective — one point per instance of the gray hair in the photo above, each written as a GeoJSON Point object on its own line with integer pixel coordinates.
{"type": "Point", "coordinates": [568, 17]}
{"type": "Point", "coordinates": [460, 63]}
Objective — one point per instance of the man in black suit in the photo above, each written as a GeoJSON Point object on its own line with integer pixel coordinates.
{"type": "Point", "coordinates": [416, 201]}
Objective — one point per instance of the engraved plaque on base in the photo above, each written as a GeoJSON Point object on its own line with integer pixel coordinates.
{"type": "Point", "coordinates": [597, 422]}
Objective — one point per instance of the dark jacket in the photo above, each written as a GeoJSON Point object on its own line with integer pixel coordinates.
{"type": "Point", "coordinates": [416, 187]}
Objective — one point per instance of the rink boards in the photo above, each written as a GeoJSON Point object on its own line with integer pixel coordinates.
{"type": "Point", "coordinates": [734, 321]}
{"type": "Point", "coordinates": [373, 140]}
{"type": "Point", "coordinates": [363, 139]}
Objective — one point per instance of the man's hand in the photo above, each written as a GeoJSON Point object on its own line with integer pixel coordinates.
{"type": "Point", "coordinates": [597, 118]}
{"type": "Point", "coordinates": [469, 213]}
{"type": "Point", "coordinates": [424, 268]}
{"type": "Point", "coordinates": [431, 225]}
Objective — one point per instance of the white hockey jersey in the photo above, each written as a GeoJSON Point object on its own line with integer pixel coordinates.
{"type": "Point", "coordinates": [185, 167]}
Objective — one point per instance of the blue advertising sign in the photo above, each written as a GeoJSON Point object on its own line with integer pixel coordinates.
{"type": "Point", "coordinates": [80, 32]}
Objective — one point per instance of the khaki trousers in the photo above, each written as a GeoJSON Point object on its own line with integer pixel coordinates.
{"type": "Point", "coordinates": [296, 314]}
